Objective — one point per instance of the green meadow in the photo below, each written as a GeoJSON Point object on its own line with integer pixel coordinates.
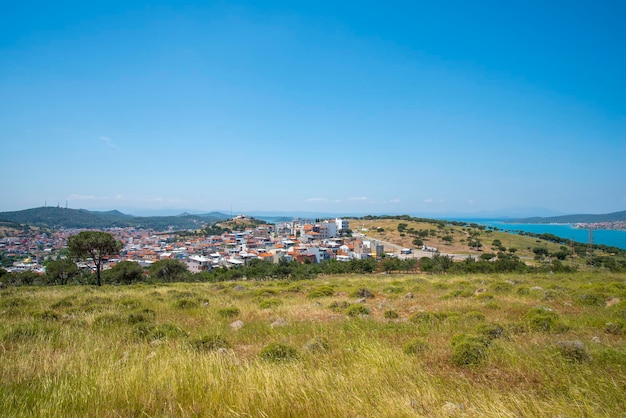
{"type": "Point", "coordinates": [375, 345]}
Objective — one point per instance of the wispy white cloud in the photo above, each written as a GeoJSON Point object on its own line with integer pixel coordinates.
{"type": "Point", "coordinates": [396, 200]}
{"type": "Point", "coordinates": [442, 200]}
{"type": "Point", "coordinates": [357, 198]}
{"type": "Point", "coordinates": [428, 200]}
{"type": "Point", "coordinates": [316, 199]}
{"type": "Point", "coordinates": [108, 141]}
{"type": "Point", "coordinates": [471, 202]}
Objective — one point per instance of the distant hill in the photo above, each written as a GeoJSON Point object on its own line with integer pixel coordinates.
{"type": "Point", "coordinates": [573, 219]}
{"type": "Point", "coordinates": [56, 217]}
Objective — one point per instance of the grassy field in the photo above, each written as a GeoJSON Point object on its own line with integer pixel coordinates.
{"type": "Point", "coordinates": [371, 346]}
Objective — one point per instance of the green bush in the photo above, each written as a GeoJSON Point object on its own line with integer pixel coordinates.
{"type": "Point", "coordinates": [415, 346]}
{"type": "Point", "coordinates": [145, 315]}
{"type": "Point", "coordinates": [266, 293]}
{"type": "Point", "coordinates": [573, 351]}
{"type": "Point", "coordinates": [615, 328]}
{"type": "Point", "coordinates": [270, 303]}
{"type": "Point", "coordinates": [276, 352]}
{"type": "Point", "coordinates": [209, 343]}
{"type": "Point", "coordinates": [429, 318]}
{"type": "Point", "coordinates": [390, 314]}
{"type": "Point", "coordinates": [229, 312]}
{"type": "Point", "coordinates": [357, 309]}
{"type": "Point", "coordinates": [591, 299]}
{"type": "Point", "coordinates": [501, 287]}
{"type": "Point", "coordinates": [468, 350]}
{"type": "Point", "coordinates": [339, 305]}
{"type": "Point", "coordinates": [320, 292]}
{"type": "Point", "coordinates": [363, 293]}
{"type": "Point", "coordinates": [542, 319]}
{"type": "Point", "coordinates": [186, 303]}
{"type": "Point", "coordinates": [490, 331]}
{"type": "Point", "coordinates": [393, 289]}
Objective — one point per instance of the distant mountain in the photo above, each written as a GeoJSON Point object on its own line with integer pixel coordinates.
{"type": "Point", "coordinates": [573, 219]}
{"type": "Point", "coordinates": [56, 217]}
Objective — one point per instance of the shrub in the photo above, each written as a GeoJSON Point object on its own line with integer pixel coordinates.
{"type": "Point", "coordinates": [391, 314]}
{"type": "Point", "coordinates": [209, 343]}
{"type": "Point", "coordinates": [415, 346]}
{"type": "Point", "coordinates": [428, 318]}
{"type": "Point", "coordinates": [573, 351]}
{"type": "Point", "coordinates": [270, 303]}
{"type": "Point", "coordinates": [542, 319]}
{"type": "Point", "coordinates": [614, 328]}
{"type": "Point", "coordinates": [317, 345]}
{"type": "Point", "coordinates": [320, 292]}
{"type": "Point", "coordinates": [356, 310]}
{"type": "Point", "coordinates": [468, 350]}
{"type": "Point", "coordinates": [501, 287]}
{"type": "Point", "coordinates": [229, 312]}
{"type": "Point", "coordinates": [145, 315]}
{"type": "Point", "coordinates": [186, 304]}
{"type": "Point", "coordinates": [363, 293]}
{"type": "Point", "coordinates": [265, 293]}
{"type": "Point", "coordinates": [276, 352]}
{"type": "Point", "coordinates": [591, 299]}
{"type": "Point", "coordinates": [338, 305]}
{"type": "Point", "coordinates": [490, 331]}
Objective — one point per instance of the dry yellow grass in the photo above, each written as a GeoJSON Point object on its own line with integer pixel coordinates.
{"type": "Point", "coordinates": [82, 351]}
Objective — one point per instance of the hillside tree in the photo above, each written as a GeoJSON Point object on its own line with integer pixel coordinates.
{"type": "Point", "coordinates": [94, 245]}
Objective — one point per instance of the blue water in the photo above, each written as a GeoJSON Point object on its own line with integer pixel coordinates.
{"type": "Point", "coordinates": [600, 236]}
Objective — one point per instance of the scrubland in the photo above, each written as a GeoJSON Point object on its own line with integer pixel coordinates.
{"type": "Point", "coordinates": [338, 346]}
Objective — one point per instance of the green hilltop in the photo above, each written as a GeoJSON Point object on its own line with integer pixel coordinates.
{"type": "Point", "coordinates": [56, 217]}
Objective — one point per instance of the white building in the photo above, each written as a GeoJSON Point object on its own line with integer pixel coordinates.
{"type": "Point", "coordinates": [342, 224]}
{"type": "Point", "coordinates": [198, 263]}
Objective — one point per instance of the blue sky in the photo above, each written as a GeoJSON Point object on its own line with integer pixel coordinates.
{"type": "Point", "coordinates": [434, 108]}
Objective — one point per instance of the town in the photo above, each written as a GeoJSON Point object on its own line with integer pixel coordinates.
{"type": "Point", "coordinates": [305, 241]}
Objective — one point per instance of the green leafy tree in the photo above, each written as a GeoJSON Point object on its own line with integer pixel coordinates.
{"type": "Point", "coordinates": [125, 272]}
{"type": "Point", "coordinates": [168, 271]}
{"type": "Point", "coordinates": [61, 271]}
{"type": "Point", "coordinates": [94, 245]}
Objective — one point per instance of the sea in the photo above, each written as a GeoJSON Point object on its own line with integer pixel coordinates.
{"type": "Point", "coordinates": [610, 237]}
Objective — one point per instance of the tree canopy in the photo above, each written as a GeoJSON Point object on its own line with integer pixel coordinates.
{"type": "Point", "coordinates": [94, 245]}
